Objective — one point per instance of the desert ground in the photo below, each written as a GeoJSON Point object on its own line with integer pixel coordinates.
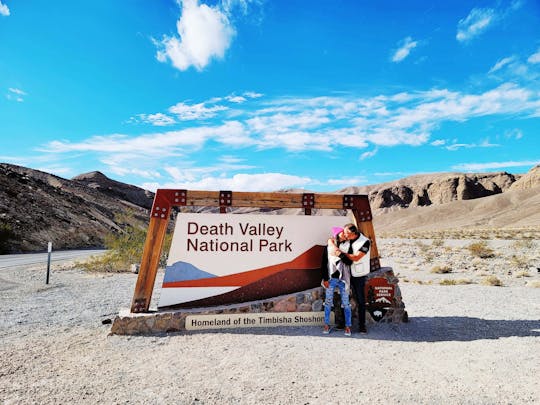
{"type": "Point", "coordinates": [473, 338]}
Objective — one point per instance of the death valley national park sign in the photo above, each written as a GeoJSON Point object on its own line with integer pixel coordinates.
{"type": "Point", "coordinates": [218, 259]}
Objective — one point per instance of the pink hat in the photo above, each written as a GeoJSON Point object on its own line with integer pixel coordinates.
{"type": "Point", "coordinates": [336, 230]}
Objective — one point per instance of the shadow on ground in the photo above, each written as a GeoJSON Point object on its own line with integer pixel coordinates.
{"type": "Point", "coordinates": [418, 329]}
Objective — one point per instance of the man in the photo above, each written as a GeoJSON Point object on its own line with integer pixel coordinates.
{"type": "Point", "coordinates": [358, 248]}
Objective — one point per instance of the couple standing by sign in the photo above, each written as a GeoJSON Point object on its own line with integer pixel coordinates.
{"type": "Point", "coordinates": [348, 264]}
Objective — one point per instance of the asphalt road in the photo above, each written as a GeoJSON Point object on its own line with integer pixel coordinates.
{"type": "Point", "coordinates": [27, 259]}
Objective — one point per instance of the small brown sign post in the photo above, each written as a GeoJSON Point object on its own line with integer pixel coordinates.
{"type": "Point", "coordinates": [165, 199]}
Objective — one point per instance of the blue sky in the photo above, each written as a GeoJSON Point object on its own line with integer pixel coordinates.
{"type": "Point", "coordinates": [263, 95]}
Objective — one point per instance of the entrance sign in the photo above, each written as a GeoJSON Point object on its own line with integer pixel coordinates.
{"type": "Point", "coordinates": [231, 258]}
{"type": "Point", "coordinates": [266, 240]}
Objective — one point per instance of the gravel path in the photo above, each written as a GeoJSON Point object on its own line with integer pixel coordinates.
{"type": "Point", "coordinates": [465, 344]}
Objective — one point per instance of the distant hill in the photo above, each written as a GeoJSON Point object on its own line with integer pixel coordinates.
{"type": "Point", "coordinates": [517, 207]}
{"type": "Point", "coordinates": [432, 189]}
{"type": "Point", "coordinates": [37, 207]}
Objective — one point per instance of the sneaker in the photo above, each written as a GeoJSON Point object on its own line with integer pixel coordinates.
{"type": "Point", "coordinates": [363, 330]}
{"type": "Point", "coordinates": [347, 331]}
{"type": "Point", "coordinates": [326, 330]}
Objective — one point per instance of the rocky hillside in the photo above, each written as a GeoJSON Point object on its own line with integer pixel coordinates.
{"type": "Point", "coordinates": [433, 189]}
{"type": "Point", "coordinates": [37, 207]}
{"type": "Point", "coordinates": [517, 208]}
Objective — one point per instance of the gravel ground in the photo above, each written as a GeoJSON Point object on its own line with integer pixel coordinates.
{"type": "Point", "coordinates": [465, 344]}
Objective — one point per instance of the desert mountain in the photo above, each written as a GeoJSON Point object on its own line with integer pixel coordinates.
{"type": "Point", "coordinates": [37, 207]}
{"type": "Point", "coordinates": [433, 189]}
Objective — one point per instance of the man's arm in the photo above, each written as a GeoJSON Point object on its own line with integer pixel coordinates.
{"type": "Point", "coordinates": [354, 257]}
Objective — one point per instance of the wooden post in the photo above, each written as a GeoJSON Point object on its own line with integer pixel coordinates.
{"type": "Point", "coordinates": [149, 264]}
{"type": "Point", "coordinates": [362, 214]}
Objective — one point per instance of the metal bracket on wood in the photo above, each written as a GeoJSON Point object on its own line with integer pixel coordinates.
{"type": "Point", "coordinates": [139, 305]}
{"type": "Point", "coordinates": [308, 202]}
{"type": "Point", "coordinates": [225, 200]}
{"type": "Point", "coordinates": [348, 202]}
{"type": "Point", "coordinates": [374, 264]}
{"type": "Point", "coordinates": [361, 206]}
{"type": "Point", "coordinates": [179, 197]}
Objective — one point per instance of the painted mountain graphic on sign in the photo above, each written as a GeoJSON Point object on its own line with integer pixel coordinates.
{"type": "Point", "coordinates": [299, 274]}
{"type": "Point", "coordinates": [181, 271]}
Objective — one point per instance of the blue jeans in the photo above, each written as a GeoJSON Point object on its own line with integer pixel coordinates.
{"type": "Point", "coordinates": [329, 300]}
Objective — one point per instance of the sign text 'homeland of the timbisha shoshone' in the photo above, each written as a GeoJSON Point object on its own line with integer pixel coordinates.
{"type": "Point", "coordinates": [257, 320]}
{"type": "Point", "coordinates": [218, 259]}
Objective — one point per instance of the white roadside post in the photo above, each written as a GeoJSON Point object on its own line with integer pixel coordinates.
{"type": "Point", "coordinates": [49, 250]}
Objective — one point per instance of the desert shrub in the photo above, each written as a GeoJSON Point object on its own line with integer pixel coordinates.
{"type": "Point", "coordinates": [522, 273]}
{"type": "Point", "coordinates": [6, 233]}
{"type": "Point", "coordinates": [124, 248]}
{"type": "Point", "coordinates": [523, 244]}
{"type": "Point", "coordinates": [533, 284]}
{"type": "Point", "coordinates": [492, 280]}
{"type": "Point", "coordinates": [519, 261]}
{"type": "Point", "coordinates": [437, 243]}
{"type": "Point", "coordinates": [441, 269]}
{"type": "Point", "coordinates": [481, 249]}
{"type": "Point", "coordinates": [459, 281]}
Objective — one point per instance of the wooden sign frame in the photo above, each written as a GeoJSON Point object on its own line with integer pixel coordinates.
{"type": "Point", "coordinates": [165, 199]}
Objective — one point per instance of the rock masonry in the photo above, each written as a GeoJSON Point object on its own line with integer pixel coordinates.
{"type": "Point", "coordinates": [158, 322]}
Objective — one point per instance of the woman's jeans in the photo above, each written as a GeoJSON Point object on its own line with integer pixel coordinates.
{"type": "Point", "coordinates": [329, 300]}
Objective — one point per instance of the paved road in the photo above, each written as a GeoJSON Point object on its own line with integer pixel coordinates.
{"type": "Point", "coordinates": [27, 259]}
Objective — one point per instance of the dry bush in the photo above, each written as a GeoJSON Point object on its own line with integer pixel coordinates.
{"type": "Point", "coordinates": [522, 273]}
{"type": "Point", "coordinates": [458, 281]}
{"type": "Point", "coordinates": [523, 244]}
{"type": "Point", "coordinates": [481, 249]}
{"type": "Point", "coordinates": [533, 284]}
{"type": "Point", "coordinates": [441, 269]}
{"type": "Point", "coordinates": [437, 243]}
{"type": "Point", "coordinates": [519, 261]}
{"type": "Point", "coordinates": [124, 249]}
{"type": "Point", "coordinates": [493, 281]}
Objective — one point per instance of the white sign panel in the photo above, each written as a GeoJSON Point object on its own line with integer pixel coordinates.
{"type": "Point", "coordinates": [223, 258]}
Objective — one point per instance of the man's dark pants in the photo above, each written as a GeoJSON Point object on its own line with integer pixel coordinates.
{"type": "Point", "coordinates": [358, 284]}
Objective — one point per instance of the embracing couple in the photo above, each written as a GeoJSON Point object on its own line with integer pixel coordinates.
{"type": "Point", "coordinates": [348, 264]}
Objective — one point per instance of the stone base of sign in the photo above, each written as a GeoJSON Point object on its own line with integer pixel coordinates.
{"type": "Point", "coordinates": [157, 322]}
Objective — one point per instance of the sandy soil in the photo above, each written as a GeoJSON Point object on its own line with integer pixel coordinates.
{"type": "Point", "coordinates": [466, 344]}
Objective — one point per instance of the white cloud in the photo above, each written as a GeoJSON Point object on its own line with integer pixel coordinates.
{"type": "Point", "coordinates": [322, 124]}
{"type": "Point", "coordinates": [155, 144]}
{"type": "Point", "coordinates": [514, 134]}
{"type": "Point", "coordinates": [244, 182]}
{"type": "Point", "coordinates": [534, 58]}
{"type": "Point", "coordinates": [15, 94]}
{"type": "Point", "coordinates": [475, 23]}
{"type": "Point", "coordinates": [158, 120]}
{"type": "Point", "coordinates": [204, 33]}
{"type": "Point", "coordinates": [494, 165]}
{"type": "Point", "coordinates": [186, 112]}
{"type": "Point", "coordinates": [4, 9]}
{"type": "Point", "coordinates": [480, 19]}
{"type": "Point", "coordinates": [368, 154]}
{"type": "Point", "coordinates": [348, 181]}
{"type": "Point", "coordinates": [501, 63]}
{"type": "Point", "coordinates": [405, 48]}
